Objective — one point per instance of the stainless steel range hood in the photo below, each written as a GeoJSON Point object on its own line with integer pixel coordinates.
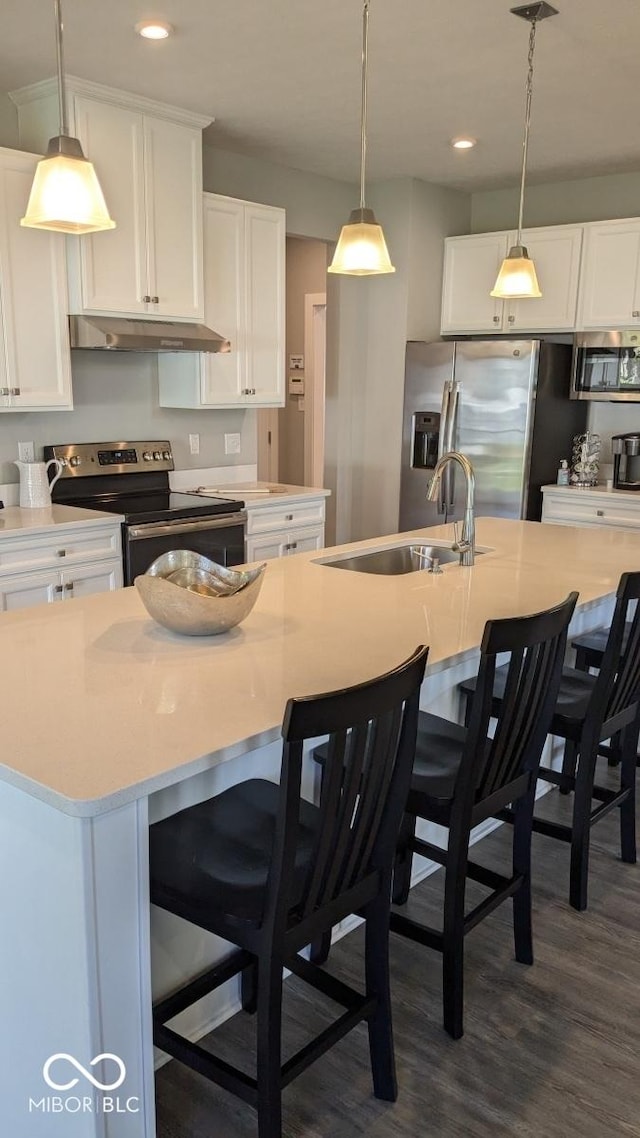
{"type": "Point", "coordinates": [116, 334]}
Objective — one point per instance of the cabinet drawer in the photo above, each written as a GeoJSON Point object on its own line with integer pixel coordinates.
{"type": "Point", "coordinates": [59, 548]}
{"type": "Point", "coordinates": [624, 515]}
{"type": "Point", "coordinates": [271, 518]}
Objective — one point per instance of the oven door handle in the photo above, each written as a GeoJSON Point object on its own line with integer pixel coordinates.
{"type": "Point", "coordinates": [168, 529]}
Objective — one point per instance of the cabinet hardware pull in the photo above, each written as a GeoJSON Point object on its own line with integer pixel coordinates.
{"type": "Point", "coordinates": [288, 517]}
{"type": "Point", "coordinates": [496, 320]}
{"type": "Point", "coordinates": [57, 588]}
{"type": "Point", "coordinates": [599, 513]}
{"type": "Point", "coordinates": [4, 390]}
{"type": "Point", "coordinates": [155, 300]}
{"type": "Point", "coordinates": [146, 300]}
{"type": "Point", "coordinates": [68, 586]}
{"type": "Point", "coordinates": [61, 553]}
{"type": "Point", "coordinates": [14, 391]}
{"type": "Point", "coordinates": [294, 545]}
{"type": "Point", "coordinates": [636, 313]}
{"type": "Point", "coordinates": [512, 319]}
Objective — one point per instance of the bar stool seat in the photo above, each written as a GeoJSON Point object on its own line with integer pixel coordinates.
{"type": "Point", "coordinates": [571, 705]}
{"type": "Point", "coordinates": [590, 648]}
{"type": "Point", "coordinates": [215, 856]}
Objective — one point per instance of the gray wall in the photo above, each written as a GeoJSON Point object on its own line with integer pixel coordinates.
{"type": "Point", "coordinates": [117, 398]}
{"type": "Point", "coordinates": [558, 203]}
{"type": "Point", "coordinates": [8, 123]}
{"type": "Point", "coordinates": [306, 273]}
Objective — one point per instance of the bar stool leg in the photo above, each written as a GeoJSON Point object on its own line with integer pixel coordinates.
{"type": "Point", "coordinates": [453, 938]}
{"type": "Point", "coordinates": [579, 871]}
{"type": "Point", "coordinates": [569, 764]}
{"type": "Point", "coordinates": [249, 988]}
{"type": "Point", "coordinates": [383, 1065]}
{"type": "Point", "coordinates": [403, 861]}
{"type": "Point", "coordinates": [269, 1029]}
{"type": "Point", "coordinates": [522, 826]}
{"type": "Point", "coordinates": [628, 807]}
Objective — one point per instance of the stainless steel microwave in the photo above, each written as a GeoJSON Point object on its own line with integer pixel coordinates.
{"type": "Point", "coordinates": [606, 365]}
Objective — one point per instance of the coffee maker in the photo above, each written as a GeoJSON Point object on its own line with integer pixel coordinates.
{"type": "Point", "coordinates": [626, 461]}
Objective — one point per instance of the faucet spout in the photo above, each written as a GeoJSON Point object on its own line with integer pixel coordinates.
{"type": "Point", "coordinates": [466, 545]}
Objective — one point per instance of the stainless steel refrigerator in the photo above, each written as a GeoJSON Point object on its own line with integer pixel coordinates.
{"type": "Point", "coordinates": [503, 403]}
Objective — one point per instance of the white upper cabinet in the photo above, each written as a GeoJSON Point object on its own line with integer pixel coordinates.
{"type": "Point", "coordinates": [35, 368]}
{"type": "Point", "coordinates": [471, 266]}
{"type": "Point", "coordinates": [470, 269]}
{"type": "Point", "coordinates": [149, 161]}
{"type": "Point", "coordinates": [244, 272]}
{"type": "Point", "coordinates": [610, 286]}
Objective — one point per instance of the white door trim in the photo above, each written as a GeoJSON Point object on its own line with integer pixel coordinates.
{"type": "Point", "coordinates": [315, 350]}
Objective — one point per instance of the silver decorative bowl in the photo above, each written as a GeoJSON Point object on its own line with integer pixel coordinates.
{"type": "Point", "coordinates": [190, 594]}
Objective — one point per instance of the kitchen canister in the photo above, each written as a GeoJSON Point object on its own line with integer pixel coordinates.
{"type": "Point", "coordinates": [585, 459]}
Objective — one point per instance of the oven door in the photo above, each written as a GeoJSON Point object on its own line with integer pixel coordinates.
{"type": "Point", "coordinates": [220, 538]}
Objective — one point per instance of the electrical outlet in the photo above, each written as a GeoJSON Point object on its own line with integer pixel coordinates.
{"type": "Point", "coordinates": [26, 452]}
{"type": "Point", "coordinates": [232, 444]}
{"type": "Point", "coordinates": [194, 444]}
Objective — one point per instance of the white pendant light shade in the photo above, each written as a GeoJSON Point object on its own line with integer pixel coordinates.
{"type": "Point", "coordinates": [361, 250]}
{"type": "Point", "coordinates": [517, 279]}
{"type": "Point", "coordinates": [66, 196]}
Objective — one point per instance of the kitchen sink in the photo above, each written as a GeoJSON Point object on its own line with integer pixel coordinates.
{"type": "Point", "coordinates": [396, 560]}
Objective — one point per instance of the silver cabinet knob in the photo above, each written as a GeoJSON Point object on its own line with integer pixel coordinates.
{"type": "Point", "coordinates": [57, 588]}
{"type": "Point", "coordinates": [288, 517]}
{"type": "Point", "coordinates": [512, 319]}
{"type": "Point", "coordinates": [155, 300]}
{"type": "Point", "coordinates": [599, 513]}
{"type": "Point", "coordinates": [4, 390]}
{"type": "Point", "coordinates": [146, 300]}
{"type": "Point", "coordinates": [635, 312]}
{"type": "Point", "coordinates": [68, 588]}
{"type": "Point", "coordinates": [14, 391]}
{"type": "Point", "coordinates": [61, 553]}
{"type": "Point", "coordinates": [496, 320]}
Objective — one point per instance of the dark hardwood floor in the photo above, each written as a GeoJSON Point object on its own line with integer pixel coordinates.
{"type": "Point", "coordinates": [551, 1051]}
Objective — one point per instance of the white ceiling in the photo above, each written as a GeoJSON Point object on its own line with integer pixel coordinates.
{"type": "Point", "coordinates": [282, 78]}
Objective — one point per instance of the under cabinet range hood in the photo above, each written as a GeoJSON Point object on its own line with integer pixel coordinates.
{"type": "Point", "coordinates": [117, 334]}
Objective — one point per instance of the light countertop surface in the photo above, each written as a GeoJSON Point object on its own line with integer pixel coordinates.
{"type": "Point", "coordinates": [15, 520]}
{"type": "Point", "coordinates": [102, 706]}
{"type": "Point", "coordinates": [600, 491]}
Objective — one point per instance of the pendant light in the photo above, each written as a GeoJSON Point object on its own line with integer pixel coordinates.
{"type": "Point", "coordinates": [517, 279]}
{"type": "Point", "coordinates": [362, 250]}
{"type": "Point", "coordinates": [66, 195]}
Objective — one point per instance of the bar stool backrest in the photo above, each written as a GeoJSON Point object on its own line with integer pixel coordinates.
{"type": "Point", "coordinates": [536, 647]}
{"type": "Point", "coordinates": [372, 732]}
{"type": "Point", "coordinates": [617, 690]}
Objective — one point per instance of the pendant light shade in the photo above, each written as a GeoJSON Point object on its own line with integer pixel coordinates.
{"type": "Point", "coordinates": [362, 250]}
{"type": "Point", "coordinates": [65, 196]}
{"type": "Point", "coordinates": [517, 279]}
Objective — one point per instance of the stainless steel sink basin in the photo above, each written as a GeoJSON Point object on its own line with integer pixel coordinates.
{"type": "Point", "coordinates": [399, 559]}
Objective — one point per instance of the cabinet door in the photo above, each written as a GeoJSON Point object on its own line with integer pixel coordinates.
{"type": "Point", "coordinates": [102, 577]}
{"type": "Point", "coordinates": [173, 196]}
{"type": "Point", "coordinates": [223, 378]}
{"type": "Point", "coordinates": [556, 253]}
{"type": "Point", "coordinates": [108, 270]}
{"type": "Point", "coordinates": [609, 287]}
{"type": "Point", "coordinates": [263, 548]}
{"type": "Point", "coordinates": [34, 358]}
{"type": "Point", "coordinates": [305, 540]}
{"type": "Point", "coordinates": [471, 265]}
{"type": "Point", "coordinates": [28, 589]}
{"type": "Point", "coordinates": [265, 271]}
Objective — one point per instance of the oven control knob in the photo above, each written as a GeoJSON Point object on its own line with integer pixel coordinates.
{"type": "Point", "coordinates": [75, 460]}
{"type": "Point", "coordinates": [157, 455]}
{"type": "Point", "coordinates": [166, 454]}
{"type": "Point", "coordinates": [147, 456]}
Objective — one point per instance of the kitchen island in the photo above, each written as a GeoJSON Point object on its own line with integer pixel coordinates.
{"type": "Point", "coordinates": [111, 722]}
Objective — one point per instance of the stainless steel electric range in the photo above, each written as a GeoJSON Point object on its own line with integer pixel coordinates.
{"type": "Point", "coordinates": [132, 478]}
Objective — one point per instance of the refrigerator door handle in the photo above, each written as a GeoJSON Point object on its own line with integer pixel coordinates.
{"type": "Point", "coordinates": [443, 445]}
{"type": "Point", "coordinates": [451, 432]}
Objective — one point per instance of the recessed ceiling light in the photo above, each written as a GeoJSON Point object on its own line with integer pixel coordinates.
{"type": "Point", "coordinates": [463, 143]}
{"type": "Point", "coordinates": [154, 29]}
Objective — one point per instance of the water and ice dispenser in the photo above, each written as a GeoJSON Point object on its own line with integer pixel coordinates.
{"type": "Point", "coordinates": [425, 439]}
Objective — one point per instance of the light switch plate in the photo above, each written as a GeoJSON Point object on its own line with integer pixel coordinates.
{"type": "Point", "coordinates": [26, 452]}
{"type": "Point", "coordinates": [232, 443]}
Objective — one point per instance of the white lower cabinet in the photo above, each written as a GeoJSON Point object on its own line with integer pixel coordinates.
{"type": "Point", "coordinates": [590, 508]}
{"type": "Point", "coordinates": [59, 564]}
{"type": "Point", "coordinates": [284, 530]}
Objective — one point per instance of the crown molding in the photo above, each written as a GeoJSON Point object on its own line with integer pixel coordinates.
{"type": "Point", "coordinates": [47, 88]}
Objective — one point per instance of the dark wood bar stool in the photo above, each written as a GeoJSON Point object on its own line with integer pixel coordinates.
{"type": "Point", "coordinates": [461, 776]}
{"type": "Point", "coordinates": [589, 651]}
{"type": "Point", "coordinates": [268, 871]}
{"type": "Point", "coordinates": [589, 710]}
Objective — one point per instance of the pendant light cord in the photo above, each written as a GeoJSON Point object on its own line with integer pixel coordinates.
{"type": "Point", "coordinates": [363, 113]}
{"type": "Point", "coordinates": [62, 95]}
{"type": "Point", "coordinates": [527, 123]}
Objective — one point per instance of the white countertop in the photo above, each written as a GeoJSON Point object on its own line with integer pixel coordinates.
{"type": "Point", "coordinates": [16, 520]}
{"type": "Point", "coordinates": [102, 706]}
{"type": "Point", "coordinates": [256, 494]}
{"type": "Point", "coordinates": [600, 492]}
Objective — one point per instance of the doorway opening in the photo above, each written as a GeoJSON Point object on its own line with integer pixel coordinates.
{"type": "Point", "coordinates": [291, 439]}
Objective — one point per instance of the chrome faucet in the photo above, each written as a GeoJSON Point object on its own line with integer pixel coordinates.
{"type": "Point", "coordinates": [465, 545]}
